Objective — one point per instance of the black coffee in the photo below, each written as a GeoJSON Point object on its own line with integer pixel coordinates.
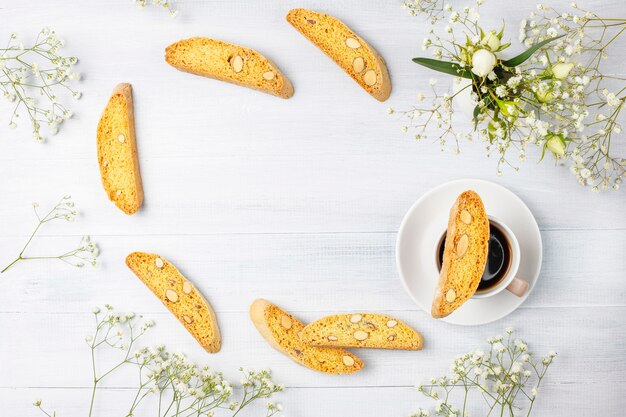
{"type": "Point", "coordinates": [498, 258]}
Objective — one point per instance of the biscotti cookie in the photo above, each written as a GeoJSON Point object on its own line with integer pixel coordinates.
{"type": "Point", "coordinates": [179, 296]}
{"type": "Point", "coordinates": [464, 255]}
{"type": "Point", "coordinates": [117, 151]}
{"type": "Point", "coordinates": [227, 62]}
{"type": "Point", "coordinates": [357, 58]}
{"type": "Point", "coordinates": [282, 331]}
{"type": "Point", "coordinates": [362, 330]}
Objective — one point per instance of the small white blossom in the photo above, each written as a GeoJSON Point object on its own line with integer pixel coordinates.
{"type": "Point", "coordinates": [501, 91]}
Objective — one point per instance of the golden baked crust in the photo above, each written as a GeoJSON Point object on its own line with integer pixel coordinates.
{"type": "Point", "coordinates": [117, 151]}
{"type": "Point", "coordinates": [357, 58]}
{"type": "Point", "coordinates": [227, 62]}
{"type": "Point", "coordinates": [179, 295]}
{"type": "Point", "coordinates": [362, 330]}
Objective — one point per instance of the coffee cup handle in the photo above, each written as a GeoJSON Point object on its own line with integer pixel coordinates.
{"type": "Point", "coordinates": [518, 287]}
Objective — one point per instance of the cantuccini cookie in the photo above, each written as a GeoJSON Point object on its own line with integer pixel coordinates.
{"type": "Point", "coordinates": [179, 295]}
{"type": "Point", "coordinates": [362, 330]}
{"type": "Point", "coordinates": [464, 256]}
{"type": "Point", "coordinates": [117, 151]}
{"type": "Point", "coordinates": [227, 62]}
{"type": "Point", "coordinates": [355, 56]}
{"type": "Point", "coordinates": [282, 331]}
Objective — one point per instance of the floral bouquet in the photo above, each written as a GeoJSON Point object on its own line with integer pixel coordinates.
{"type": "Point", "coordinates": [553, 95]}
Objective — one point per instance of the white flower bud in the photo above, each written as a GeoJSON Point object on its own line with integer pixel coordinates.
{"type": "Point", "coordinates": [491, 40]}
{"type": "Point", "coordinates": [483, 62]}
{"type": "Point", "coordinates": [561, 70]}
{"type": "Point", "coordinates": [556, 145]}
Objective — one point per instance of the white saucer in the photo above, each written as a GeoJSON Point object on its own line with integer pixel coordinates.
{"type": "Point", "coordinates": [426, 221]}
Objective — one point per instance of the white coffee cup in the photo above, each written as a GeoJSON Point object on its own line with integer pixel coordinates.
{"type": "Point", "coordinates": [510, 282]}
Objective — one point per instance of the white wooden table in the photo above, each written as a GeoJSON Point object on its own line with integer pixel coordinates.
{"type": "Point", "coordinates": [297, 201]}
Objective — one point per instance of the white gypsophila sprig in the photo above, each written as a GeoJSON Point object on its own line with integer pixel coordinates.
{"type": "Point", "coordinates": [164, 4]}
{"type": "Point", "coordinates": [65, 210]}
{"type": "Point", "coordinates": [545, 98]}
{"type": "Point", "coordinates": [182, 387]}
{"type": "Point", "coordinates": [35, 79]}
{"type": "Point", "coordinates": [506, 376]}
{"type": "Point", "coordinates": [587, 103]}
{"type": "Point", "coordinates": [435, 108]}
{"type": "Point", "coordinates": [433, 9]}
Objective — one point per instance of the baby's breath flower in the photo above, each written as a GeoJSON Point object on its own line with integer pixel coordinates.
{"type": "Point", "coordinates": [86, 251]}
{"type": "Point", "coordinates": [504, 374]}
{"type": "Point", "coordinates": [164, 4]}
{"type": "Point", "coordinates": [533, 392]}
{"type": "Point", "coordinates": [196, 390]}
{"type": "Point", "coordinates": [37, 71]}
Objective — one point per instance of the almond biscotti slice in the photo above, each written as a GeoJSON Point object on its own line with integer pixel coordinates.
{"type": "Point", "coordinates": [117, 151]}
{"type": "Point", "coordinates": [179, 295]}
{"type": "Point", "coordinates": [357, 58]}
{"type": "Point", "coordinates": [282, 331]}
{"type": "Point", "coordinates": [362, 330]}
{"type": "Point", "coordinates": [464, 255]}
{"type": "Point", "coordinates": [227, 62]}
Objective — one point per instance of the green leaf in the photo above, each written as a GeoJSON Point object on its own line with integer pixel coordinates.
{"type": "Point", "coordinates": [543, 152]}
{"type": "Point", "coordinates": [487, 103]}
{"type": "Point", "coordinates": [514, 62]}
{"type": "Point", "coordinates": [475, 117]}
{"type": "Point", "coordinates": [445, 67]}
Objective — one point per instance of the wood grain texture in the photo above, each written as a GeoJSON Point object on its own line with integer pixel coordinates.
{"type": "Point", "coordinates": [551, 329]}
{"type": "Point", "coordinates": [328, 401]}
{"type": "Point", "coordinates": [297, 201]}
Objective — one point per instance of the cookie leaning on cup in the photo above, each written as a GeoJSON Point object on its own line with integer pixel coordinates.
{"type": "Point", "coordinates": [179, 295]}
{"type": "Point", "coordinates": [464, 255]}
{"type": "Point", "coordinates": [282, 332]}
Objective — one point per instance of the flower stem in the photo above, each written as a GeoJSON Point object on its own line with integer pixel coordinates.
{"type": "Point", "coordinates": [19, 258]}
